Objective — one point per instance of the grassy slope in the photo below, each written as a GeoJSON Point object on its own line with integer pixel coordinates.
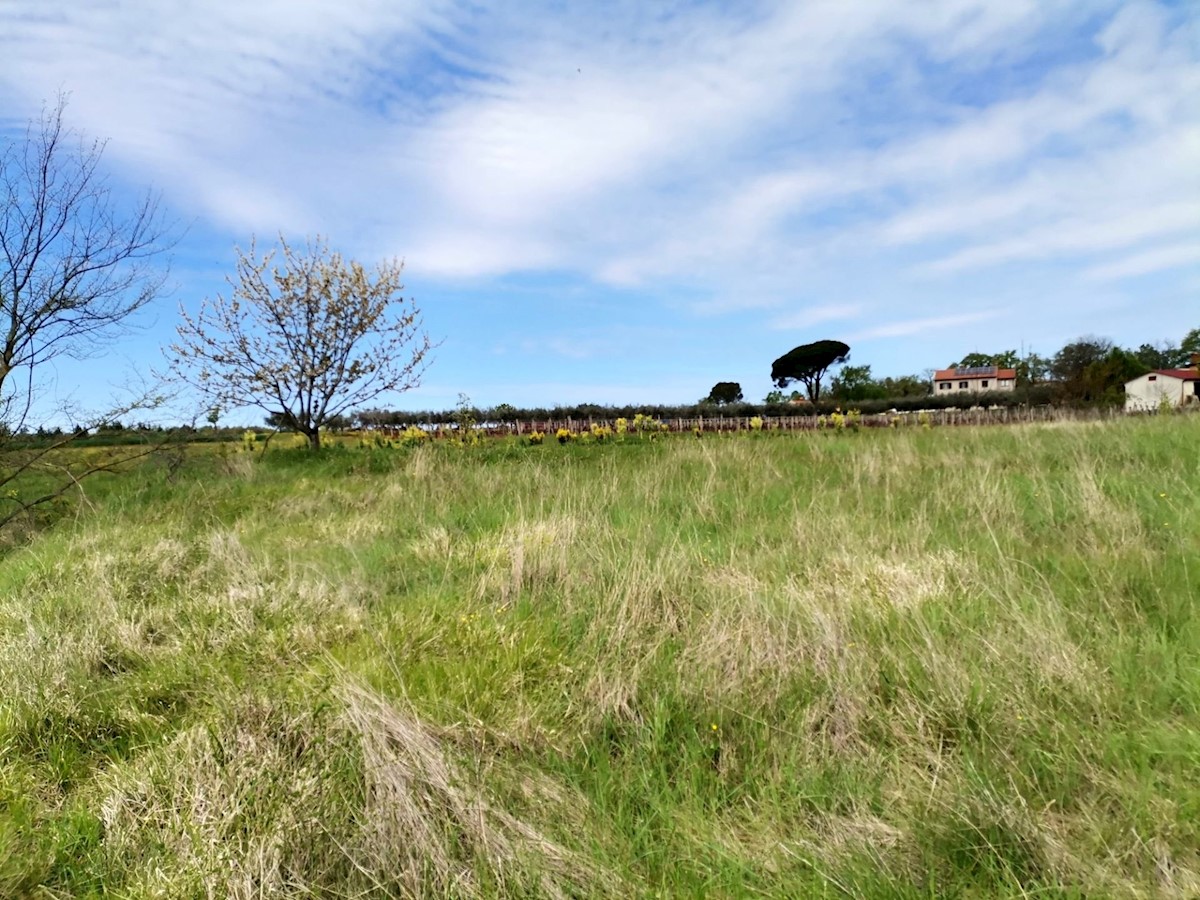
{"type": "Point", "coordinates": [924, 663]}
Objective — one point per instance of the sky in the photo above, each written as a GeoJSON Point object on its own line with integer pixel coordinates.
{"type": "Point", "coordinates": [627, 202]}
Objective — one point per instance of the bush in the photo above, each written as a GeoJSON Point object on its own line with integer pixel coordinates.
{"type": "Point", "coordinates": [413, 436]}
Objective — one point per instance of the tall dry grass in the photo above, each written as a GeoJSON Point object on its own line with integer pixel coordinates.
{"type": "Point", "coordinates": [946, 662]}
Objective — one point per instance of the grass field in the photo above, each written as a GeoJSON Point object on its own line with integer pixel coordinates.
{"type": "Point", "coordinates": [921, 663]}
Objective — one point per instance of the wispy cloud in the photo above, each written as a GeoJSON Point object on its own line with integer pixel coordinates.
{"type": "Point", "coordinates": [921, 326]}
{"type": "Point", "coordinates": [548, 145]}
{"type": "Point", "coordinates": [1079, 237]}
{"type": "Point", "coordinates": [755, 160]}
{"type": "Point", "coordinates": [816, 315]}
{"type": "Point", "coordinates": [1158, 259]}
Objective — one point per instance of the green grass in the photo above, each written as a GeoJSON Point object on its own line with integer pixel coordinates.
{"type": "Point", "coordinates": [919, 663]}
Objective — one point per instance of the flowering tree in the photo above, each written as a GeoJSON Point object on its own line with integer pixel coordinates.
{"type": "Point", "coordinates": [306, 340]}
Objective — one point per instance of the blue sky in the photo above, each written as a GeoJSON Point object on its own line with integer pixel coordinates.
{"type": "Point", "coordinates": [627, 202]}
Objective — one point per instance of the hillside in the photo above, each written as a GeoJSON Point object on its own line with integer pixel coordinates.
{"type": "Point", "coordinates": [946, 662]}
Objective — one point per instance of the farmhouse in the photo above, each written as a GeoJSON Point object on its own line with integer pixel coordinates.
{"type": "Point", "coordinates": [1176, 387]}
{"type": "Point", "coordinates": [974, 380]}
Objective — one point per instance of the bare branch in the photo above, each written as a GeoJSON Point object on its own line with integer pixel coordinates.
{"type": "Point", "coordinates": [52, 467]}
{"type": "Point", "coordinates": [74, 265]}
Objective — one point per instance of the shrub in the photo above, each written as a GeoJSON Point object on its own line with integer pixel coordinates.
{"type": "Point", "coordinates": [413, 436]}
{"type": "Point", "coordinates": [644, 423]}
{"type": "Point", "coordinates": [465, 421]}
{"type": "Point", "coordinates": [373, 440]}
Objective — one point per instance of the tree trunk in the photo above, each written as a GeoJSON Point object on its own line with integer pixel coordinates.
{"type": "Point", "coordinates": [314, 440]}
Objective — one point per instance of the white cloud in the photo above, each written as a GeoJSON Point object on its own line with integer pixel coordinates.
{"type": "Point", "coordinates": [816, 315]}
{"type": "Point", "coordinates": [1080, 236]}
{"type": "Point", "coordinates": [1098, 157]}
{"type": "Point", "coordinates": [245, 110]}
{"type": "Point", "coordinates": [1116, 181]}
{"type": "Point", "coordinates": [754, 155]}
{"type": "Point", "coordinates": [922, 326]}
{"type": "Point", "coordinates": [1157, 259]}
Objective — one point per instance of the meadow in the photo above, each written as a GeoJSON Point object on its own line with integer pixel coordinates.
{"type": "Point", "coordinates": [947, 662]}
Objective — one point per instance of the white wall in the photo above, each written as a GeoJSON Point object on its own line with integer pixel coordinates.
{"type": "Point", "coordinates": [974, 386]}
{"type": "Point", "coordinates": [1143, 394]}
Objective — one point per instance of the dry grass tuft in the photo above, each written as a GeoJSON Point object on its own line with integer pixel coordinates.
{"type": "Point", "coordinates": [639, 609]}
{"type": "Point", "coordinates": [351, 795]}
{"type": "Point", "coordinates": [246, 808]}
{"type": "Point", "coordinates": [756, 635]}
{"type": "Point", "coordinates": [526, 554]}
{"type": "Point", "coordinates": [423, 812]}
{"type": "Point", "coordinates": [882, 584]}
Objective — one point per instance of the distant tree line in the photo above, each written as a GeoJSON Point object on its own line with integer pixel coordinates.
{"type": "Point", "coordinates": [1090, 371]}
{"type": "Point", "coordinates": [116, 433]}
{"type": "Point", "coordinates": [1040, 395]}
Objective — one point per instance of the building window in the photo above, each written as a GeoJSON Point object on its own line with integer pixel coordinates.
{"type": "Point", "coordinates": [943, 385]}
{"type": "Point", "coordinates": [962, 385]}
{"type": "Point", "coordinates": [985, 384]}
{"type": "Point", "coordinates": [1152, 378]}
{"type": "Point", "coordinates": [1005, 382]}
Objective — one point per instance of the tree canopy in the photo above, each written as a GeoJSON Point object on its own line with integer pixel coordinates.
{"type": "Point", "coordinates": [305, 341]}
{"type": "Point", "coordinates": [856, 383]}
{"type": "Point", "coordinates": [1094, 370]}
{"type": "Point", "coordinates": [724, 392]}
{"type": "Point", "coordinates": [808, 364]}
{"type": "Point", "coordinates": [1007, 359]}
{"type": "Point", "coordinates": [1188, 346]}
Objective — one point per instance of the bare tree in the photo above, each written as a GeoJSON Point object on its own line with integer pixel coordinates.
{"type": "Point", "coordinates": [74, 262]}
{"type": "Point", "coordinates": [304, 341]}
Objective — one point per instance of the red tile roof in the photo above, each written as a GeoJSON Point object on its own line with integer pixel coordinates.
{"type": "Point", "coordinates": [1185, 374]}
{"type": "Point", "coordinates": [955, 374]}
